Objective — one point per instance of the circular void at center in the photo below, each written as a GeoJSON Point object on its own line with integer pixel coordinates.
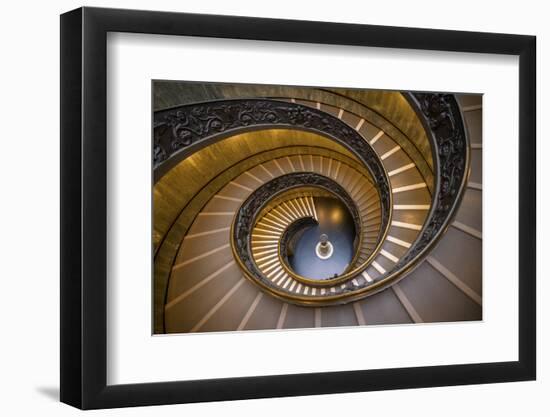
{"type": "Point", "coordinates": [324, 250]}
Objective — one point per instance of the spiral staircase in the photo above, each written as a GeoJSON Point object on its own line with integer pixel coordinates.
{"type": "Point", "coordinates": [246, 181]}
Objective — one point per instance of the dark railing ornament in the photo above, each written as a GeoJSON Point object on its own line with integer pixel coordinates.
{"type": "Point", "coordinates": [443, 121]}
{"type": "Point", "coordinates": [250, 210]}
{"type": "Point", "coordinates": [180, 131]}
{"type": "Point", "coordinates": [291, 235]}
{"type": "Point", "coordinates": [450, 148]}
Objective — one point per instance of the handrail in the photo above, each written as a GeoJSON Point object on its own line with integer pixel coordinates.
{"type": "Point", "coordinates": [247, 216]}
{"type": "Point", "coordinates": [442, 118]}
{"type": "Point", "coordinates": [180, 131]}
{"type": "Point", "coordinates": [288, 236]}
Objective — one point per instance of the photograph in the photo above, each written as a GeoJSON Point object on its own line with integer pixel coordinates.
{"type": "Point", "coordinates": [275, 209]}
{"type": "Point", "coordinates": [278, 207]}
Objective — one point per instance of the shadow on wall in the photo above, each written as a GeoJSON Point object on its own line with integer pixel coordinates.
{"type": "Point", "coordinates": [49, 392]}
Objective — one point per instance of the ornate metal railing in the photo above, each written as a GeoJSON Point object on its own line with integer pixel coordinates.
{"type": "Point", "coordinates": [248, 214]}
{"type": "Point", "coordinates": [290, 237]}
{"type": "Point", "coordinates": [181, 131]}
{"type": "Point", "coordinates": [443, 121]}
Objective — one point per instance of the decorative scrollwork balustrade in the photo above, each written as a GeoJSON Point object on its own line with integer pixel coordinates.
{"type": "Point", "coordinates": [181, 131]}
{"type": "Point", "coordinates": [442, 118]}
{"type": "Point", "coordinates": [291, 235]}
{"type": "Point", "coordinates": [248, 214]}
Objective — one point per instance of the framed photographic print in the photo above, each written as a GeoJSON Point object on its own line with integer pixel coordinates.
{"type": "Point", "coordinates": [257, 208]}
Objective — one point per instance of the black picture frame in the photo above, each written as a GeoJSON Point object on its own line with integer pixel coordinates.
{"type": "Point", "coordinates": [84, 207]}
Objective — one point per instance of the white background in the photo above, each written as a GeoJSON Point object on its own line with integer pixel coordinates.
{"type": "Point", "coordinates": [29, 213]}
{"type": "Point", "coordinates": [133, 60]}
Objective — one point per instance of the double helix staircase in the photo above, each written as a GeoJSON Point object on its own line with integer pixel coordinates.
{"type": "Point", "coordinates": [211, 288]}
